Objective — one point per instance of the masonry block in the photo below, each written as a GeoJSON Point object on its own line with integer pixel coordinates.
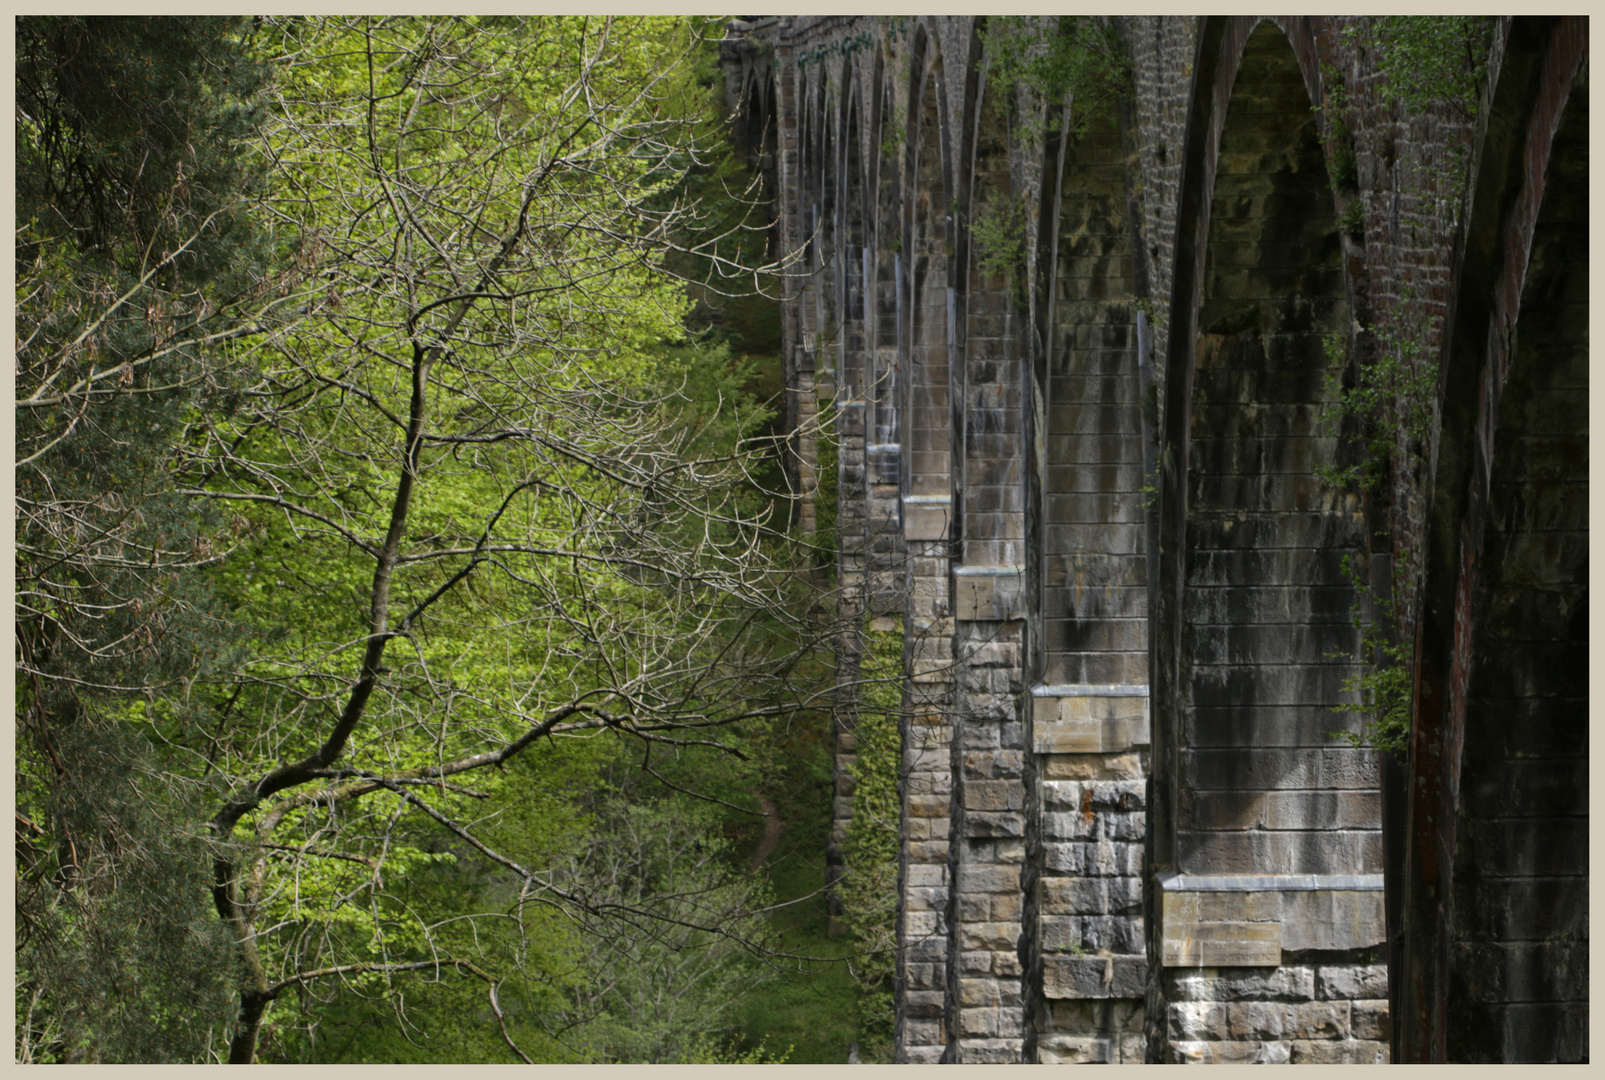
{"type": "Point", "coordinates": [1222, 944]}
{"type": "Point", "coordinates": [1094, 976]}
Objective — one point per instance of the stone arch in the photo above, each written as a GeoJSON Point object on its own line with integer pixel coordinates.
{"type": "Point", "coordinates": [1265, 829]}
{"type": "Point", "coordinates": [925, 911]}
{"type": "Point", "coordinates": [1495, 949]}
{"type": "Point", "coordinates": [883, 314]}
{"type": "Point", "coordinates": [988, 283]}
{"type": "Point", "coordinates": [1266, 604]}
{"type": "Point", "coordinates": [853, 232]}
{"type": "Point", "coordinates": [756, 132]}
{"type": "Point", "coordinates": [928, 280]}
{"type": "Point", "coordinates": [1095, 579]}
{"type": "Point", "coordinates": [819, 157]}
{"type": "Point", "coordinates": [1089, 704]}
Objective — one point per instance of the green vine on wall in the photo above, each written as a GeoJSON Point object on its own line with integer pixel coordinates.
{"type": "Point", "coordinates": [1383, 684]}
{"type": "Point", "coordinates": [1391, 402]}
{"type": "Point", "coordinates": [840, 47]}
{"type": "Point", "coordinates": [1341, 160]}
{"type": "Point", "coordinates": [870, 850]}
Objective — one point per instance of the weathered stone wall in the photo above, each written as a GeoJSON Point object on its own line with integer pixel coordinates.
{"type": "Point", "coordinates": [1083, 457]}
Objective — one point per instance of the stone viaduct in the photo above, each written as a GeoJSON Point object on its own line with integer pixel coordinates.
{"type": "Point", "coordinates": [1079, 367]}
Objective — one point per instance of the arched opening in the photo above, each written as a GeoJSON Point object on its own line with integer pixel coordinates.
{"type": "Point", "coordinates": [925, 911]}
{"type": "Point", "coordinates": [1089, 712]}
{"type": "Point", "coordinates": [1518, 985]}
{"type": "Point", "coordinates": [854, 272]}
{"type": "Point", "coordinates": [1267, 641]}
{"type": "Point", "coordinates": [992, 510]}
{"type": "Point", "coordinates": [1095, 575]}
{"type": "Point", "coordinates": [883, 316]}
{"type": "Point", "coordinates": [930, 412]}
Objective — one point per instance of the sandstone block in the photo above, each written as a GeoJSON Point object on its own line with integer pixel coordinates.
{"type": "Point", "coordinates": [1370, 1021]}
{"type": "Point", "coordinates": [993, 936]}
{"type": "Point", "coordinates": [1197, 1020]}
{"type": "Point", "coordinates": [1338, 1052]}
{"type": "Point", "coordinates": [978, 992]}
{"type": "Point", "coordinates": [1319, 1020]}
{"type": "Point", "coordinates": [1004, 1050]}
{"type": "Point", "coordinates": [1256, 1019]}
{"type": "Point", "coordinates": [982, 1022]}
{"type": "Point", "coordinates": [974, 908]}
{"type": "Point", "coordinates": [923, 1032]}
{"type": "Point", "coordinates": [1352, 982]}
{"type": "Point", "coordinates": [1074, 896]}
{"type": "Point", "coordinates": [1330, 919]}
{"type": "Point", "coordinates": [982, 823]}
{"type": "Point", "coordinates": [975, 962]}
{"type": "Point", "coordinates": [988, 879]}
{"type": "Point", "coordinates": [1222, 944]}
{"type": "Point", "coordinates": [1094, 976]}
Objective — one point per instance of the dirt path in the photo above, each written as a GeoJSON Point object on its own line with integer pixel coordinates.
{"type": "Point", "coordinates": [771, 832]}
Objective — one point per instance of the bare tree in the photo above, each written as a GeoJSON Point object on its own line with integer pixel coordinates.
{"type": "Point", "coordinates": [487, 511]}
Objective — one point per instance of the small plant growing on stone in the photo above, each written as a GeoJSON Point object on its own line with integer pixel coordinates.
{"type": "Point", "coordinates": [1352, 219]}
{"type": "Point", "coordinates": [893, 132]}
{"type": "Point", "coordinates": [1391, 398]}
{"type": "Point", "coordinates": [1383, 685]}
{"type": "Point", "coordinates": [1341, 163]}
{"type": "Point", "coordinates": [998, 231]}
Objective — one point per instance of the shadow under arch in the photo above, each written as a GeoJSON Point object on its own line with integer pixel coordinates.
{"type": "Point", "coordinates": [1494, 953]}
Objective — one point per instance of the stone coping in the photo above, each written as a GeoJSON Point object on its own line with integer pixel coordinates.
{"type": "Point", "coordinates": [1173, 882]}
{"type": "Point", "coordinates": [1091, 690]}
{"type": "Point", "coordinates": [881, 447]}
{"type": "Point", "coordinates": [923, 500]}
{"type": "Point", "coordinates": [988, 571]}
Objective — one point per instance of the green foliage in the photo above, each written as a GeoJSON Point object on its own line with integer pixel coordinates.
{"type": "Point", "coordinates": [1390, 400]}
{"type": "Point", "coordinates": [1426, 59]}
{"type": "Point", "coordinates": [894, 133]}
{"type": "Point", "coordinates": [1079, 57]}
{"type": "Point", "coordinates": [870, 852]}
{"type": "Point", "coordinates": [484, 510]}
{"type": "Point", "coordinates": [1384, 684]}
{"type": "Point", "coordinates": [1390, 406]}
{"type": "Point", "coordinates": [1352, 218]}
{"type": "Point", "coordinates": [1340, 159]}
{"type": "Point", "coordinates": [118, 957]}
{"type": "Point", "coordinates": [998, 233]}
{"type": "Point", "coordinates": [133, 253]}
{"type": "Point", "coordinates": [704, 1051]}
{"type": "Point", "coordinates": [129, 130]}
{"type": "Point", "coordinates": [657, 984]}
{"type": "Point", "coordinates": [812, 1005]}
{"type": "Point", "coordinates": [843, 47]}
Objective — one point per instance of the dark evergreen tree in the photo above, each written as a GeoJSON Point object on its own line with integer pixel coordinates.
{"type": "Point", "coordinates": [136, 263]}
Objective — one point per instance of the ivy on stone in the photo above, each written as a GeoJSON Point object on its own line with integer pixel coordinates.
{"type": "Point", "coordinates": [870, 851]}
